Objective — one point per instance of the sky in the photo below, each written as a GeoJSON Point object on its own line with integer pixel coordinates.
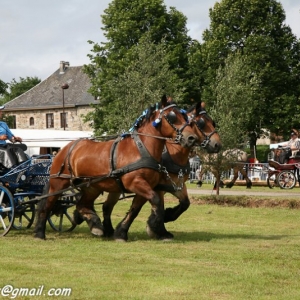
{"type": "Point", "coordinates": [36, 35]}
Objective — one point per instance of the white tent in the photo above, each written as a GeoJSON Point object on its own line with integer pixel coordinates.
{"type": "Point", "coordinates": [36, 139]}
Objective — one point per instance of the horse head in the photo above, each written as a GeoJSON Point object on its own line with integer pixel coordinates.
{"type": "Point", "coordinates": [204, 127]}
{"type": "Point", "coordinates": [166, 120]}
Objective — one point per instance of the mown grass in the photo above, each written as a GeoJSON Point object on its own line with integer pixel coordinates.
{"type": "Point", "coordinates": [218, 252]}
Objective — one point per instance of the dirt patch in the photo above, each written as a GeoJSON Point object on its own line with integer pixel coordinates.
{"type": "Point", "coordinates": [246, 201]}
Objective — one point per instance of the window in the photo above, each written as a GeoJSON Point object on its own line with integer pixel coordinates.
{"type": "Point", "coordinates": [49, 121]}
{"type": "Point", "coordinates": [31, 121]}
{"type": "Point", "coordinates": [63, 120]}
{"type": "Point", "coordinates": [13, 123]}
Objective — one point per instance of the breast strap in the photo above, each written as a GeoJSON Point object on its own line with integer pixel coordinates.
{"type": "Point", "coordinates": [146, 160]}
{"type": "Point", "coordinates": [172, 167]}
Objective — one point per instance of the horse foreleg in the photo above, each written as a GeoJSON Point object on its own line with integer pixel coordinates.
{"type": "Point", "coordinates": [248, 181]}
{"type": "Point", "coordinates": [155, 224]}
{"type": "Point", "coordinates": [172, 213]}
{"type": "Point", "coordinates": [107, 209]}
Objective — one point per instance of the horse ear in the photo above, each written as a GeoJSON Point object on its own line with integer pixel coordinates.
{"type": "Point", "coordinates": [164, 100]}
{"type": "Point", "coordinates": [198, 107]}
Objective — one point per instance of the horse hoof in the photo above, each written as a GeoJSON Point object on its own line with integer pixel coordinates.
{"type": "Point", "coordinates": [97, 231]}
{"type": "Point", "coordinates": [166, 237]}
{"type": "Point", "coordinates": [39, 236]}
{"type": "Point", "coordinates": [167, 240]}
{"type": "Point", "coordinates": [150, 233]}
{"type": "Point", "coordinates": [120, 240]}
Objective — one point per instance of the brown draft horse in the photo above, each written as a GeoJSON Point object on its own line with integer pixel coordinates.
{"type": "Point", "coordinates": [130, 163]}
{"type": "Point", "coordinates": [235, 159]}
{"type": "Point", "coordinates": [176, 161]}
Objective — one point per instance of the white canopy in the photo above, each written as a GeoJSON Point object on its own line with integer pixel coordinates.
{"type": "Point", "coordinates": [37, 138]}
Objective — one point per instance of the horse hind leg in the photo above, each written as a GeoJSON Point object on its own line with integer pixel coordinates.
{"type": "Point", "coordinates": [44, 208]}
{"type": "Point", "coordinates": [42, 216]}
{"type": "Point", "coordinates": [235, 176]}
{"type": "Point", "coordinates": [107, 209]}
{"type": "Point", "coordinates": [121, 231]}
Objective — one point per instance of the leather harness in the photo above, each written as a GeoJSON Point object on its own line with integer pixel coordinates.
{"type": "Point", "coordinates": [146, 161]}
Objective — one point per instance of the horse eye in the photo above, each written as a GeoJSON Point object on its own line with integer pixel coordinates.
{"type": "Point", "coordinates": [201, 123]}
{"type": "Point", "coordinates": [172, 117]}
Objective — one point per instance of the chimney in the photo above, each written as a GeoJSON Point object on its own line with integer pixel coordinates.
{"type": "Point", "coordinates": [63, 66]}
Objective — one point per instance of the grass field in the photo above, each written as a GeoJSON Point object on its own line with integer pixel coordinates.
{"type": "Point", "coordinates": [218, 253]}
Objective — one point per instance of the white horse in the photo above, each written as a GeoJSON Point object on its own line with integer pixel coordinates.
{"type": "Point", "coordinates": [235, 159]}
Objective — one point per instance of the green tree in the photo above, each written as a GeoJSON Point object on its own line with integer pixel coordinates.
{"type": "Point", "coordinates": [18, 88]}
{"type": "Point", "coordinates": [125, 24]}
{"type": "Point", "coordinates": [145, 79]}
{"type": "Point", "coordinates": [3, 87]}
{"type": "Point", "coordinates": [235, 91]}
{"type": "Point", "coordinates": [256, 29]}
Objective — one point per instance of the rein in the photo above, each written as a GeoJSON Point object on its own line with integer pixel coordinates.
{"type": "Point", "coordinates": [158, 137]}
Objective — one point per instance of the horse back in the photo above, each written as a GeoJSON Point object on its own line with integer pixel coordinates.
{"type": "Point", "coordinates": [92, 158]}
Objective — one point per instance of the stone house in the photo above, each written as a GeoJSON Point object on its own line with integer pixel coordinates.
{"type": "Point", "coordinates": [59, 102]}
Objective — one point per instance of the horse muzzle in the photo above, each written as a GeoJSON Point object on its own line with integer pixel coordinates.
{"type": "Point", "coordinates": [211, 146]}
{"type": "Point", "coordinates": [188, 140]}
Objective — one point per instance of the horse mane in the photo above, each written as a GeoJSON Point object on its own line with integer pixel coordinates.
{"type": "Point", "coordinates": [197, 106]}
{"type": "Point", "coordinates": [147, 115]}
{"type": "Point", "coordinates": [191, 108]}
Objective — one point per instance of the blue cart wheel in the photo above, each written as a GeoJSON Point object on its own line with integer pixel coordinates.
{"type": "Point", "coordinates": [61, 216]}
{"type": "Point", "coordinates": [24, 211]}
{"type": "Point", "coordinates": [7, 210]}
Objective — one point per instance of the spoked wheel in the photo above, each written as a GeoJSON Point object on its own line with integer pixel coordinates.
{"type": "Point", "coordinates": [61, 217]}
{"type": "Point", "coordinates": [286, 179]}
{"type": "Point", "coordinates": [24, 212]}
{"type": "Point", "coordinates": [7, 210]}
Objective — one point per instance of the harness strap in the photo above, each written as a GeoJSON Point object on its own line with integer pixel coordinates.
{"type": "Point", "coordinates": [172, 167]}
{"type": "Point", "coordinates": [58, 174]}
{"type": "Point", "coordinates": [146, 161]}
{"type": "Point", "coordinates": [165, 187]}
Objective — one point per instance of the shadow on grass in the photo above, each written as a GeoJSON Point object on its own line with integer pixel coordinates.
{"type": "Point", "coordinates": [208, 236]}
{"type": "Point", "coordinates": [179, 236]}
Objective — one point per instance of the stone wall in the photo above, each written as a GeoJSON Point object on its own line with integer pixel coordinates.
{"type": "Point", "coordinates": [74, 118]}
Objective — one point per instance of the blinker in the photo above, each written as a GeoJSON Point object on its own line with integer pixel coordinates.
{"type": "Point", "coordinates": [171, 116]}
{"type": "Point", "coordinates": [201, 123]}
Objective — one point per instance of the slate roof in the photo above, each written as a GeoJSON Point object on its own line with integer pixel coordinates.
{"type": "Point", "coordinates": [48, 93]}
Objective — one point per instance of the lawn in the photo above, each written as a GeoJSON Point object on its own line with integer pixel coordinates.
{"type": "Point", "coordinates": [218, 252]}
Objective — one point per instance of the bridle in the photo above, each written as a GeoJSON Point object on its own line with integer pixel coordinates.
{"type": "Point", "coordinates": [200, 123]}
{"type": "Point", "coordinates": [170, 117]}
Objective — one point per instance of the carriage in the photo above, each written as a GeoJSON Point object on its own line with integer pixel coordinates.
{"type": "Point", "coordinates": [283, 169]}
{"type": "Point", "coordinates": [22, 187]}
{"type": "Point", "coordinates": [132, 162]}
